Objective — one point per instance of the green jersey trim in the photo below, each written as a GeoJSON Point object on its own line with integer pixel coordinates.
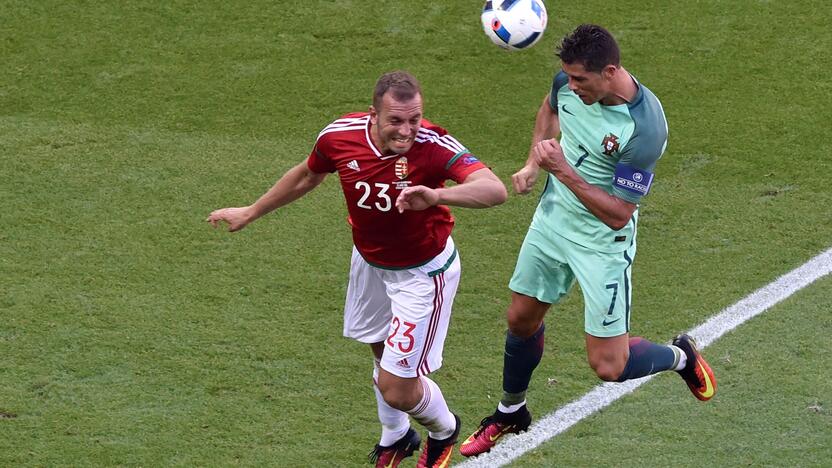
{"type": "Point", "coordinates": [408, 267]}
{"type": "Point", "coordinates": [443, 267]}
{"type": "Point", "coordinates": [453, 159]}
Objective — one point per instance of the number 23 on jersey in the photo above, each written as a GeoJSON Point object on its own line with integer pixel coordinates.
{"type": "Point", "coordinates": [381, 201]}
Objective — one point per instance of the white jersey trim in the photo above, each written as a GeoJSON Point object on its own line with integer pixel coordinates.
{"type": "Point", "coordinates": [446, 141]}
{"type": "Point", "coordinates": [342, 125]}
{"type": "Point", "coordinates": [338, 129]}
{"type": "Point", "coordinates": [424, 135]}
{"type": "Point", "coordinates": [371, 144]}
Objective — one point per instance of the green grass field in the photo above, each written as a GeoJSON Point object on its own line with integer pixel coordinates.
{"type": "Point", "coordinates": [132, 334]}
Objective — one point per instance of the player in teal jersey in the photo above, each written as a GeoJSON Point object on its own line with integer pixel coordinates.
{"type": "Point", "coordinates": [612, 132]}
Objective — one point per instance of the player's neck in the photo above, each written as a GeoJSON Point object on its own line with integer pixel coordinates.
{"type": "Point", "coordinates": [375, 138]}
{"type": "Point", "coordinates": [623, 90]}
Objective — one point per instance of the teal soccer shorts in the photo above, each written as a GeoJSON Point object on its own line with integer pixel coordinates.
{"type": "Point", "coordinates": [549, 264]}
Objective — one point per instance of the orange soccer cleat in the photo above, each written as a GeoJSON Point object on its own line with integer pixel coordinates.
{"type": "Point", "coordinates": [492, 428]}
{"type": "Point", "coordinates": [390, 457]}
{"type": "Point", "coordinates": [437, 453]}
{"type": "Point", "coordinates": [697, 373]}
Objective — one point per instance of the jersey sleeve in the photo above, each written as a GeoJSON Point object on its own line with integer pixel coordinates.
{"type": "Point", "coordinates": [461, 165]}
{"type": "Point", "coordinates": [559, 81]}
{"type": "Point", "coordinates": [318, 161]}
{"type": "Point", "coordinates": [634, 171]}
{"type": "Point", "coordinates": [449, 157]}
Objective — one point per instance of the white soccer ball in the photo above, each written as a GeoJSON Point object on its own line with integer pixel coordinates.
{"type": "Point", "coordinates": [514, 24]}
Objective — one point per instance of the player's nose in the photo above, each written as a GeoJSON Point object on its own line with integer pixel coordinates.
{"type": "Point", "coordinates": [572, 85]}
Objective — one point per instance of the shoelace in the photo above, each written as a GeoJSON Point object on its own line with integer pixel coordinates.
{"type": "Point", "coordinates": [374, 454]}
{"type": "Point", "coordinates": [486, 421]}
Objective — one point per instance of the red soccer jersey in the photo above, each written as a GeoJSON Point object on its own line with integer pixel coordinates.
{"type": "Point", "coordinates": [372, 181]}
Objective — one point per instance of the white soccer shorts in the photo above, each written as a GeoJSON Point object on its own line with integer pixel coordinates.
{"type": "Point", "coordinates": [409, 310]}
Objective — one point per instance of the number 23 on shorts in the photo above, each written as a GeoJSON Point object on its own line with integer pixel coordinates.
{"type": "Point", "coordinates": [406, 343]}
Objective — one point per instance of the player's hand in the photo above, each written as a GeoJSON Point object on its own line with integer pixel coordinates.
{"type": "Point", "coordinates": [416, 198]}
{"type": "Point", "coordinates": [549, 156]}
{"type": "Point", "coordinates": [524, 179]}
{"type": "Point", "coordinates": [237, 218]}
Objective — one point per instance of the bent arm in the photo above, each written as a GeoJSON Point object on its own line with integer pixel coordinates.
{"type": "Point", "coordinates": [611, 210]}
{"type": "Point", "coordinates": [546, 127]}
{"type": "Point", "coordinates": [480, 189]}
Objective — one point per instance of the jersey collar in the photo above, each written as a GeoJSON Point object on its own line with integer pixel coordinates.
{"type": "Point", "coordinates": [372, 145]}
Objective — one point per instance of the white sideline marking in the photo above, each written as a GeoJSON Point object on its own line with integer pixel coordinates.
{"type": "Point", "coordinates": [605, 394]}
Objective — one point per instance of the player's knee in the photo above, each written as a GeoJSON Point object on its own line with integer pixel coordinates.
{"type": "Point", "coordinates": [398, 400]}
{"type": "Point", "coordinates": [525, 315]}
{"type": "Point", "coordinates": [399, 394]}
{"type": "Point", "coordinates": [608, 370]}
{"type": "Point", "coordinates": [522, 325]}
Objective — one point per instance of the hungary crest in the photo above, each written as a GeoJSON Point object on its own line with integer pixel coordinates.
{"type": "Point", "coordinates": [610, 144]}
{"type": "Point", "coordinates": [401, 168]}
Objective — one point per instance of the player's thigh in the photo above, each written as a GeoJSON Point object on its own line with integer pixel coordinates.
{"type": "Point", "coordinates": [367, 309]}
{"type": "Point", "coordinates": [542, 270]}
{"type": "Point", "coordinates": [422, 301]}
{"type": "Point", "coordinates": [606, 282]}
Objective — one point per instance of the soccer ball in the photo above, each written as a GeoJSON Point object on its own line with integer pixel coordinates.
{"type": "Point", "coordinates": [514, 24]}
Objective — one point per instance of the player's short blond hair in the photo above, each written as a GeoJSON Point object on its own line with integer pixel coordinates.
{"type": "Point", "coordinates": [402, 84]}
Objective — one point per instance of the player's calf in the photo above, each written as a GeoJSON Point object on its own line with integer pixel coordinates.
{"type": "Point", "coordinates": [647, 358]}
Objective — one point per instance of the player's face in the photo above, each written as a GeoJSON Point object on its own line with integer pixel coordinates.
{"type": "Point", "coordinates": [396, 123]}
{"type": "Point", "coordinates": [591, 87]}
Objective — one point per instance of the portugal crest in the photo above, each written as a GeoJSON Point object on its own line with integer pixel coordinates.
{"type": "Point", "coordinates": [610, 144]}
{"type": "Point", "coordinates": [401, 167]}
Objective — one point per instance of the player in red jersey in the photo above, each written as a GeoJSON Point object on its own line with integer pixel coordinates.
{"type": "Point", "coordinates": [405, 269]}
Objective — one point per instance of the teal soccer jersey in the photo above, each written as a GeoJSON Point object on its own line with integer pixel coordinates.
{"type": "Point", "coordinates": [613, 147]}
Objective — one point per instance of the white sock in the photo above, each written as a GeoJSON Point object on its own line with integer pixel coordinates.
{"type": "Point", "coordinates": [511, 408]}
{"type": "Point", "coordinates": [432, 412]}
{"type": "Point", "coordinates": [683, 358]}
{"type": "Point", "coordinates": [394, 423]}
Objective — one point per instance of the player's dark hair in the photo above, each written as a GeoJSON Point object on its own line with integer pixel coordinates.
{"type": "Point", "coordinates": [402, 84]}
{"type": "Point", "coordinates": [590, 45]}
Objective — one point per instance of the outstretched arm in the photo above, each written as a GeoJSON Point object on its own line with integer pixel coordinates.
{"type": "Point", "coordinates": [297, 182]}
{"type": "Point", "coordinates": [480, 189]}
{"type": "Point", "coordinates": [546, 126]}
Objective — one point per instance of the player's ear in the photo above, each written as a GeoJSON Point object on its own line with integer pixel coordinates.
{"type": "Point", "coordinates": [609, 71]}
{"type": "Point", "coordinates": [373, 115]}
